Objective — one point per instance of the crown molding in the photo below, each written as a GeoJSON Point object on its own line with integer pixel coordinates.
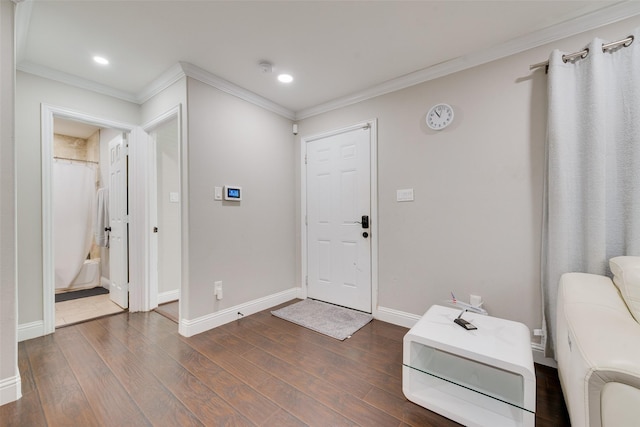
{"type": "Point", "coordinates": [226, 86]}
{"type": "Point", "coordinates": [71, 80]}
{"type": "Point", "coordinates": [166, 79]}
{"type": "Point", "coordinates": [587, 22]}
{"type": "Point", "coordinates": [22, 21]}
{"type": "Point", "coordinates": [162, 82]}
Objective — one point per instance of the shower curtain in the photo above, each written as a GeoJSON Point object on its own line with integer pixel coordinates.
{"type": "Point", "coordinates": [74, 186]}
{"type": "Point", "coordinates": [592, 188]}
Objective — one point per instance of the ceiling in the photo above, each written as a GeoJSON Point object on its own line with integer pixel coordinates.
{"type": "Point", "coordinates": [333, 49]}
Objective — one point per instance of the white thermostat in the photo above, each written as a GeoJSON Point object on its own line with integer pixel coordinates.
{"type": "Point", "coordinates": [232, 193]}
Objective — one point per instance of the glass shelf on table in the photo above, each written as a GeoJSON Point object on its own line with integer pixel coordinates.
{"type": "Point", "coordinates": [434, 373]}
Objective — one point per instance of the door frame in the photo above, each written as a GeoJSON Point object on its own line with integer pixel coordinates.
{"type": "Point", "coordinates": [48, 112]}
{"type": "Point", "coordinates": [152, 207]}
{"type": "Point", "coordinates": [373, 146]}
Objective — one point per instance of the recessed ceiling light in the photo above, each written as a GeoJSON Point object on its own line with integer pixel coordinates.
{"type": "Point", "coordinates": [100, 60]}
{"type": "Point", "coordinates": [285, 78]}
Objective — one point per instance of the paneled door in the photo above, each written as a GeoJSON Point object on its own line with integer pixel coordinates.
{"type": "Point", "coordinates": [118, 221]}
{"type": "Point", "coordinates": [338, 208]}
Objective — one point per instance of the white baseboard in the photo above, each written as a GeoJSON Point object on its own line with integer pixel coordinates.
{"type": "Point", "coordinates": [538, 356]}
{"type": "Point", "coordinates": [10, 389]}
{"type": "Point", "coordinates": [190, 328]}
{"type": "Point", "coordinates": [27, 331]}
{"type": "Point", "coordinates": [396, 317]}
{"type": "Point", "coordinates": [106, 283]}
{"type": "Point", "coordinates": [169, 296]}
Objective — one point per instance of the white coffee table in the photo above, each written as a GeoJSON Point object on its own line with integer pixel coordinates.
{"type": "Point", "coordinates": [483, 377]}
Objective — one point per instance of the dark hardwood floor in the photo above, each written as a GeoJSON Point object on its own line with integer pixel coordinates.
{"type": "Point", "coordinates": [134, 369]}
{"type": "Point", "coordinates": [170, 310]}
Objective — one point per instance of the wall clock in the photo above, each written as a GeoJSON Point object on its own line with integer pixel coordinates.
{"type": "Point", "coordinates": [439, 116]}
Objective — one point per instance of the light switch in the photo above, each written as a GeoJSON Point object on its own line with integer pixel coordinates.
{"type": "Point", "coordinates": [174, 197]}
{"type": "Point", "coordinates": [217, 193]}
{"type": "Point", "coordinates": [404, 195]}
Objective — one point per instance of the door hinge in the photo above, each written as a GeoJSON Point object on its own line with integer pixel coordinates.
{"type": "Point", "coordinates": [305, 159]}
{"type": "Point", "coordinates": [306, 280]}
{"type": "Point", "coordinates": [306, 220]}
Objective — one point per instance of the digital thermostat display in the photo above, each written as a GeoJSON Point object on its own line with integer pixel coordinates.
{"type": "Point", "coordinates": [232, 193]}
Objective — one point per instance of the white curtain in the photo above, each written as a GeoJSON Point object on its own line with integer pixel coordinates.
{"type": "Point", "coordinates": [74, 186]}
{"type": "Point", "coordinates": [592, 188]}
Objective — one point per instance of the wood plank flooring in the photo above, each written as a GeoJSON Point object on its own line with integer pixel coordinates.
{"type": "Point", "coordinates": [170, 310]}
{"type": "Point", "coordinates": [135, 369]}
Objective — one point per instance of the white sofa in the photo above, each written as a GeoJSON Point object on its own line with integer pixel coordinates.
{"type": "Point", "coordinates": [598, 345]}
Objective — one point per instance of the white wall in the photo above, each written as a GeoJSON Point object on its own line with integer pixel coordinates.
{"type": "Point", "coordinates": [169, 235]}
{"type": "Point", "coordinates": [10, 389]}
{"type": "Point", "coordinates": [172, 96]}
{"type": "Point", "coordinates": [249, 246]}
{"type": "Point", "coordinates": [475, 224]}
{"type": "Point", "coordinates": [31, 92]}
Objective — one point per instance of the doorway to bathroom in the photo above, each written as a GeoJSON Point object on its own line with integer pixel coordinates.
{"type": "Point", "coordinates": [132, 237]}
{"type": "Point", "coordinates": [89, 187]}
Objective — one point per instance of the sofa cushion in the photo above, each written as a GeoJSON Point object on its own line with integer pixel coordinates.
{"type": "Point", "coordinates": [626, 276]}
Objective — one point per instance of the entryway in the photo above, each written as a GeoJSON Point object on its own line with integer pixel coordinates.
{"type": "Point", "coordinates": [340, 216]}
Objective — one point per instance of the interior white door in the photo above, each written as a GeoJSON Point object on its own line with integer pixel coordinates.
{"type": "Point", "coordinates": [338, 197]}
{"type": "Point", "coordinates": [118, 236]}
{"type": "Point", "coordinates": [152, 194]}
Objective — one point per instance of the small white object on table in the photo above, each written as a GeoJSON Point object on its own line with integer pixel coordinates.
{"type": "Point", "coordinates": [482, 377]}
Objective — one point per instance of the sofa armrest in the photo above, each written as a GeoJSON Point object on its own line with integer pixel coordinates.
{"type": "Point", "coordinates": [598, 342]}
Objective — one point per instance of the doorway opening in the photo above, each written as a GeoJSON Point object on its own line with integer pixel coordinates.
{"type": "Point", "coordinates": [52, 239]}
{"type": "Point", "coordinates": [81, 178]}
{"type": "Point", "coordinates": [165, 207]}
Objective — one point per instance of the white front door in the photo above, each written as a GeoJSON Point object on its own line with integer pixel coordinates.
{"type": "Point", "coordinates": [118, 237]}
{"type": "Point", "coordinates": [338, 199]}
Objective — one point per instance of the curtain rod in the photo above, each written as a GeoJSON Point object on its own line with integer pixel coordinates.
{"type": "Point", "coordinates": [76, 160]}
{"type": "Point", "coordinates": [583, 53]}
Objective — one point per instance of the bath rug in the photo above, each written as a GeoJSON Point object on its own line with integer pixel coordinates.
{"type": "Point", "coordinates": [83, 293]}
{"type": "Point", "coordinates": [328, 319]}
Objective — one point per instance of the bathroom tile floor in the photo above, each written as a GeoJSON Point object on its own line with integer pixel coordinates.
{"type": "Point", "coordinates": [79, 310]}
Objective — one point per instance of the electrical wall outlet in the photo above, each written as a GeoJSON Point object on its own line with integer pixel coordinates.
{"type": "Point", "coordinates": [217, 289]}
{"type": "Point", "coordinates": [404, 195]}
{"type": "Point", "coordinates": [475, 300]}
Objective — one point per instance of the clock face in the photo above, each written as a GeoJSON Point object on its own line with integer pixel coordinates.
{"type": "Point", "coordinates": [439, 116]}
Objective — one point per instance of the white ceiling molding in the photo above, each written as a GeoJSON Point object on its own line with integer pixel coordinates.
{"type": "Point", "coordinates": [162, 82]}
{"type": "Point", "coordinates": [219, 83]}
{"type": "Point", "coordinates": [71, 80]}
{"type": "Point", "coordinates": [587, 22]}
{"type": "Point", "coordinates": [22, 21]}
